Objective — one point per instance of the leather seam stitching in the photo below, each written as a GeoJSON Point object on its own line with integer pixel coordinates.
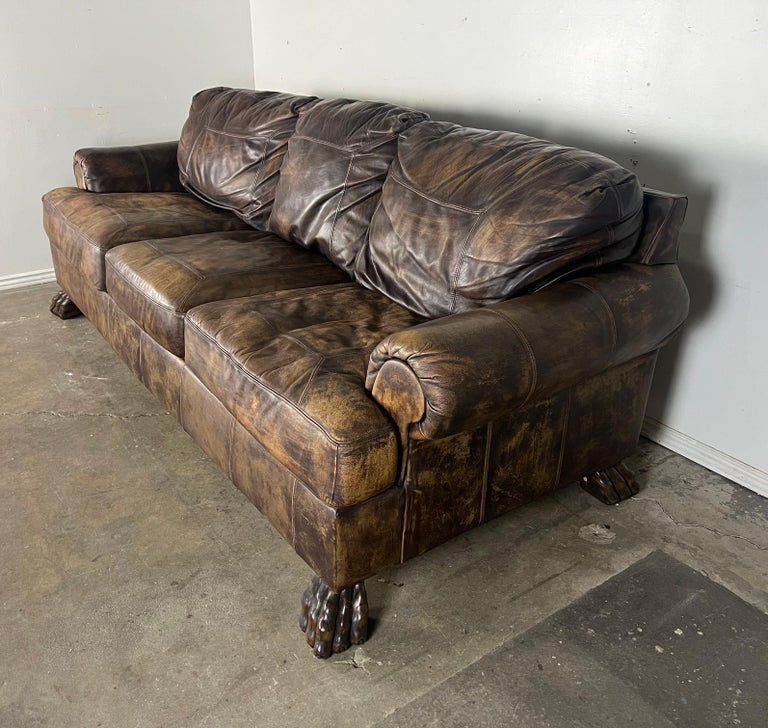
{"type": "Point", "coordinates": [119, 274]}
{"type": "Point", "coordinates": [529, 350]}
{"type": "Point", "coordinates": [334, 477]}
{"type": "Point", "coordinates": [355, 149]}
{"type": "Point", "coordinates": [486, 471]}
{"type": "Point", "coordinates": [460, 264]}
{"type": "Point", "coordinates": [253, 134]}
{"type": "Point", "coordinates": [310, 380]}
{"type": "Point", "coordinates": [143, 161]}
{"type": "Point", "coordinates": [230, 448]}
{"type": "Point", "coordinates": [101, 204]}
{"type": "Point", "coordinates": [607, 308]}
{"type": "Point", "coordinates": [79, 231]}
{"type": "Point", "coordinates": [651, 250]}
{"type": "Point", "coordinates": [338, 206]}
{"type": "Point", "coordinates": [407, 503]}
{"type": "Point", "coordinates": [566, 420]}
{"type": "Point", "coordinates": [257, 180]}
{"type": "Point", "coordinates": [175, 258]}
{"type": "Point", "coordinates": [450, 205]}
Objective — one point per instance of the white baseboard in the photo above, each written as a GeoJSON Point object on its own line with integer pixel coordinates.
{"type": "Point", "coordinates": [27, 279]}
{"type": "Point", "coordinates": [706, 455]}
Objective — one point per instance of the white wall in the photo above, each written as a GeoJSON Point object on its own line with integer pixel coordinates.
{"type": "Point", "coordinates": [90, 72]}
{"type": "Point", "coordinates": [675, 89]}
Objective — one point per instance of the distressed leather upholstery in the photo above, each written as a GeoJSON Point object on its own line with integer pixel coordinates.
{"type": "Point", "coordinates": [290, 366]}
{"type": "Point", "coordinates": [155, 282]}
{"type": "Point", "coordinates": [385, 330]}
{"type": "Point", "coordinates": [532, 356]}
{"type": "Point", "coordinates": [83, 226]}
{"type": "Point", "coordinates": [232, 146]}
{"type": "Point", "coordinates": [331, 179]}
{"type": "Point", "coordinates": [471, 217]}
{"type": "Point", "coordinates": [141, 168]}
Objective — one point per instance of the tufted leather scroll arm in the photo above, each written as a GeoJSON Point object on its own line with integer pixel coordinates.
{"type": "Point", "coordinates": [461, 371]}
{"type": "Point", "coordinates": [140, 168]}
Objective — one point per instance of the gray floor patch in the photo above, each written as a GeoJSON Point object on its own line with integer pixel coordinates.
{"type": "Point", "coordinates": [657, 645]}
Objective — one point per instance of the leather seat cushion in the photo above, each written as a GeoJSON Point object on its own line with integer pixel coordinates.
{"type": "Point", "coordinates": [85, 225]}
{"type": "Point", "coordinates": [469, 217]}
{"type": "Point", "coordinates": [155, 282]}
{"type": "Point", "coordinates": [290, 366]}
{"type": "Point", "coordinates": [332, 174]}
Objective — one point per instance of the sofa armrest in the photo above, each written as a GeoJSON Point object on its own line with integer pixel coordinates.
{"type": "Point", "coordinates": [461, 371]}
{"type": "Point", "coordinates": [140, 168]}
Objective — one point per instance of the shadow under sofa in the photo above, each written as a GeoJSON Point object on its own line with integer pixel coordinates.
{"type": "Point", "coordinates": [385, 330]}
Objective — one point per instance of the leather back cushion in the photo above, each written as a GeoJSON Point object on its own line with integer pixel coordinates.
{"type": "Point", "coordinates": [471, 217]}
{"type": "Point", "coordinates": [232, 146]}
{"type": "Point", "coordinates": [331, 178]}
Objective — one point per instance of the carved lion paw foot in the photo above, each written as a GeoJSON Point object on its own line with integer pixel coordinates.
{"type": "Point", "coordinates": [330, 620]}
{"type": "Point", "coordinates": [63, 306]}
{"type": "Point", "coordinates": [611, 485]}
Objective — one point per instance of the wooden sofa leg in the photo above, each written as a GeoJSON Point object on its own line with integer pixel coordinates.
{"type": "Point", "coordinates": [611, 485]}
{"type": "Point", "coordinates": [64, 307]}
{"type": "Point", "coordinates": [330, 620]}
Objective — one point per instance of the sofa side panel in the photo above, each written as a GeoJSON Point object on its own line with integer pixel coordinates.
{"type": "Point", "coordinates": [444, 487]}
{"type": "Point", "coordinates": [525, 453]}
{"type": "Point", "coordinates": [160, 372]}
{"type": "Point", "coordinates": [158, 369]}
{"type": "Point", "coordinates": [605, 416]}
{"type": "Point", "coordinates": [458, 482]}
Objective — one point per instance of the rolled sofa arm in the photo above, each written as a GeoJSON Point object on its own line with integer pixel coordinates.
{"type": "Point", "coordinates": [459, 372]}
{"type": "Point", "coordinates": [140, 168]}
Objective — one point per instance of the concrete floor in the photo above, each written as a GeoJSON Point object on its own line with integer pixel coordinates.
{"type": "Point", "coordinates": [138, 587]}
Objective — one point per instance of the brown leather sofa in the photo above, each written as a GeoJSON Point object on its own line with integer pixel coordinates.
{"type": "Point", "coordinates": [386, 330]}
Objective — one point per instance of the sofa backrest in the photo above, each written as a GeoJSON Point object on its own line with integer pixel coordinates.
{"type": "Point", "coordinates": [232, 146]}
{"type": "Point", "coordinates": [333, 172]}
{"type": "Point", "coordinates": [469, 217]}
